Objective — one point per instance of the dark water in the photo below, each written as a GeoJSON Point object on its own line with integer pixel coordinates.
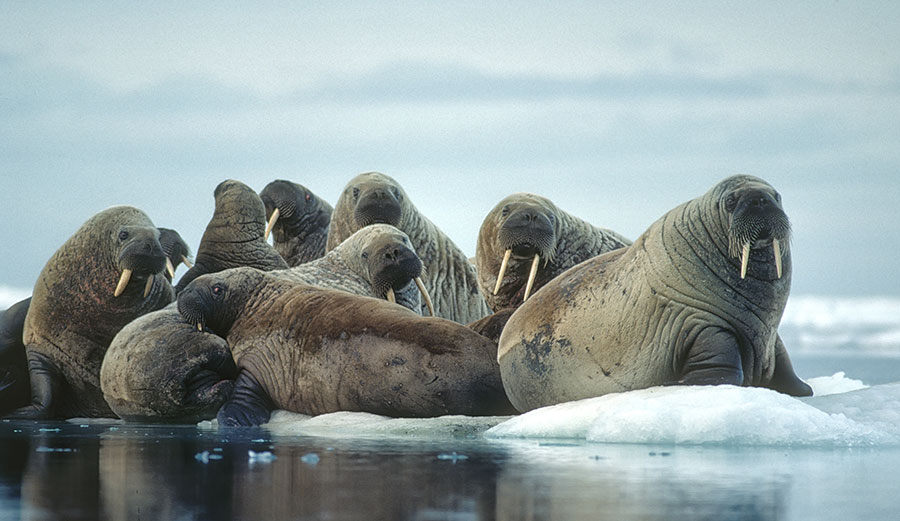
{"type": "Point", "coordinates": [134, 472]}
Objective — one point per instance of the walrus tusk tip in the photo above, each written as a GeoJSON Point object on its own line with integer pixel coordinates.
{"type": "Point", "coordinates": [148, 286]}
{"type": "Point", "coordinates": [531, 275]}
{"type": "Point", "coordinates": [186, 261]}
{"type": "Point", "coordinates": [425, 295]}
{"type": "Point", "coordinates": [502, 270]}
{"type": "Point", "coordinates": [271, 224]}
{"type": "Point", "coordinates": [390, 295]}
{"type": "Point", "coordinates": [745, 257]}
{"type": "Point", "coordinates": [123, 281]}
{"type": "Point", "coordinates": [777, 247]}
{"type": "Point", "coordinates": [170, 269]}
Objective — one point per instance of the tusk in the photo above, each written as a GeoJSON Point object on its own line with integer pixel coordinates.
{"type": "Point", "coordinates": [425, 295]}
{"type": "Point", "coordinates": [123, 281]}
{"type": "Point", "coordinates": [777, 248]}
{"type": "Point", "coordinates": [745, 257]}
{"type": "Point", "coordinates": [148, 286]}
{"type": "Point", "coordinates": [390, 295]}
{"type": "Point", "coordinates": [271, 223]}
{"type": "Point", "coordinates": [186, 261]}
{"type": "Point", "coordinates": [532, 275]}
{"type": "Point", "coordinates": [502, 270]}
{"type": "Point", "coordinates": [199, 327]}
{"type": "Point", "coordinates": [170, 269]}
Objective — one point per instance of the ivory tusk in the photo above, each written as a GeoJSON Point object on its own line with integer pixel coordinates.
{"type": "Point", "coordinates": [425, 295]}
{"type": "Point", "coordinates": [390, 295]}
{"type": "Point", "coordinates": [777, 247]}
{"type": "Point", "coordinates": [502, 270]}
{"type": "Point", "coordinates": [186, 261]}
{"type": "Point", "coordinates": [532, 275]}
{"type": "Point", "coordinates": [745, 257]}
{"type": "Point", "coordinates": [271, 224]}
{"type": "Point", "coordinates": [170, 269]}
{"type": "Point", "coordinates": [199, 327]}
{"type": "Point", "coordinates": [123, 281]}
{"type": "Point", "coordinates": [148, 286]}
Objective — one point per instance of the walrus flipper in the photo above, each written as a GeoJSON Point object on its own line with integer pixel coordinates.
{"type": "Point", "coordinates": [15, 388]}
{"type": "Point", "coordinates": [249, 405]}
{"type": "Point", "coordinates": [46, 380]}
{"type": "Point", "coordinates": [785, 380]}
{"type": "Point", "coordinates": [713, 359]}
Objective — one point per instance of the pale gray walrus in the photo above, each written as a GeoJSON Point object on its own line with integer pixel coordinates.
{"type": "Point", "coordinates": [235, 235]}
{"type": "Point", "coordinates": [526, 240]}
{"type": "Point", "coordinates": [314, 350]}
{"type": "Point", "coordinates": [159, 369]}
{"type": "Point", "coordinates": [297, 219]}
{"type": "Point", "coordinates": [108, 273]}
{"type": "Point", "coordinates": [448, 275]}
{"type": "Point", "coordinates": [696, 299]}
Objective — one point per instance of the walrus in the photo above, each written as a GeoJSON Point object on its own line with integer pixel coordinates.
{"type": "Point", "coordinates": [297, 219]}
{"type": "Point", "coordinates": [376, 261]}
{"type": "Point", "coordinates": [235, 235]}
{"type": "Point", "coordinates": [696, 300]}
{"type": "Point", "coordinates": [536, 241]}
{"type": "Point", "coordinates": [314, 350]}
{"type": "Point", "coordinates": [159, 368]}
{"type": "Point", "coordinates": [109, 272]}
{"type": "Point", "coordinates": [449, 277]}
{"type": "Point", "coordinates": [176, 251]}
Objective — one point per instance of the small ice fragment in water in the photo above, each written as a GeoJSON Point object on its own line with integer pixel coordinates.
{"type": "Point", "coordinates": [215, 456]}
{"type": "Point", "coordinates": [54, 449]}
{"type": "Point", "coordinates": [46, 429]}
{"type": "Point", "coordinates": [202, 457]}
{"type": "Point", "coordinates": [453, 456]}
{"type": "Point", "coordinates": [310, 459]}
{"type": "Point", "coordinates": [260, 440]}
{"type": "Point", "coordinates": [84, 426]}
{"type": "Point", "coordinates": [261, 457]}
{"type": "Point", "coordinates": [217, 449]}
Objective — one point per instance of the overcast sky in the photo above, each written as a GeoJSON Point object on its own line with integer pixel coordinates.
{"type": "Point", "coordinates": [617, 112]}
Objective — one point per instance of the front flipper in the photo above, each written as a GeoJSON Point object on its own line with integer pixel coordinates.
{"type": "Point", "coordinates": [249, 405]}
{"type": "Point", "coordinates": [785, 380]}
{"type": "Point", "coordinates": [46, 381]}
{"type": "Point", "coordinates": [713, 359]}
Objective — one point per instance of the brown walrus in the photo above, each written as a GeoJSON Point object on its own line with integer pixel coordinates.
{"type": "Point", "coordinates": [449, 276]}
{"type": "Point", "coordinates": [696, 299]}
{"type": "Point", "coordinates": [235, 235]}
{"type": "Point", "coordinates": [314, 350]}
{"type": "Point", "coordinates": [536, 241]}
{"type": "Point", "coordinates": [297, 219]}
{"type": "Point", "coordinates": [108, 273]}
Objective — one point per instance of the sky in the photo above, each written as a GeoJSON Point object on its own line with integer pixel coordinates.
{"type": "Point", "coordinates": [616, 111]}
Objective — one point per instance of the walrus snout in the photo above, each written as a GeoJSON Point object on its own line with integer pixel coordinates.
{"type": "Point", "coordinates": [377, 205]}
{"type": "Point", "coordinates": [757, 221]}
{"type": "Point", "coordinates": [192, 306]}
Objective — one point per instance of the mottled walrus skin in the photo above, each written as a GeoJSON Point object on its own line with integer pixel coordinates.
{"type": "Point", "coordinates": [527, 225]}
{"type": "Point", "coordinates": [314, 350]}
{"type": "Point", "coordinates": [373, 260]}
{"type": "Point", "coordinates": [159, 368]}
{"type": "Point", "coordinates": [672, 308]}
{"type": "Point", "coordinates": [75, 313]}
{"type": "Point", "coordinates": [235, 235]}
{"type": "Point", "coordinates": [300, 228]}
{"type": "Point", "coordinates": [449, 276]}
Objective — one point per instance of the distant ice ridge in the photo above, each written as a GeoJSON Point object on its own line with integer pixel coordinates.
{"type": "Point", "coordinates": [10, 295]}
{"type": "Point", "coordinates": [844, 414]}
{"type": "Point", "coordinates": [821, 324]}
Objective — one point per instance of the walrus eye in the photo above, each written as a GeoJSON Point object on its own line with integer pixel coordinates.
{"type": "Point", "coordinates": [218, 290]}
{"type": "Point", "coordinates": [730, 202]}
{"type": "Point", "coordinates": [505, 211]}
{"type": "Point", "coordinates": [307, 197]}
{"type": "Point", "coordinates": [355, 193]}
{"type": "Point", "coordinates": [123, 235]}
{"type": "Point", "coordinates": [365, 255]}
{"type": "Point", "coordinates": [396, 194]}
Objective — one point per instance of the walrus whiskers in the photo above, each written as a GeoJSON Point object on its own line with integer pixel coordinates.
{"type": "Point", "coordinates": [390, 295]}
{"type": "Point", "coordinates": [777, 247]}
{"type": "Point", "coordinates": [148, 286]}
{"type": "Point", "coordinates": [271, 223]}
{"type": "Point", "coordinates": [502, 270]}
{"type": "Point", "coordinates": [123, 281]}
{"type": "Point", "coordinates": [425, 295]}
{"type": "Point", "coordinates": [532, 275]}
{"type": "Point", "coordinates": [745, 257]}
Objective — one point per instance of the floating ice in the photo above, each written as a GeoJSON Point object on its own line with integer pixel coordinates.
{"type": "Point", "coordinates": [719, 415]}
{"type": "Point", "coordinates": [310, 459]}
{"type": "Point", "coordinates": [835, 384]}
{"type": "Point", "coordinates": [260, 457]}
{"type": "Point", "coordinates": [453, 456]}
{"type": "Point", "coordinates": [54, 449]}
{"type": "Point", "coordinates": [360, 424]}
{"type": "Point", "coordinates": [205, 456]}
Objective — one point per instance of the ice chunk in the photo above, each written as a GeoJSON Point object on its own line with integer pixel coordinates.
{"type": "Point", "coordinates": [834, 384]}
{"type": "Point", "coordinates": [453, 456]}
{"type": "Point", "coordinates": [361, 424]}
{"type": "Point", "coordinates": [310, 459]}
{"type": "Point", "coordinates": [260, 457]}
{"type": "Point", "coordinates": [715, 415]}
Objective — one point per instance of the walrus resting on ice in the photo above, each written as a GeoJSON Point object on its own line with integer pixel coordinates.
{"type": "Point", "coordinates": [448, 276]}
{"type": "Point", "coordinates": [526, 240]}
{"type": "Point", "coordinates": [108, 273]}
{"type": "Point", "coordinates": [696, 299]}
{"type": "Point", "coordinates": [313, 350]}
{"type": "Point", "coordinates": [297, 219]}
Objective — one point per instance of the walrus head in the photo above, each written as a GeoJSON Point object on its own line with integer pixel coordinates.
{"type": "Point", "coordinates": [756, 221]}
{"type": "Point", "coordinates": [526, 231]}
{"type": "Point", "coordinates": [140, 256]}
{"type": "Point", "coordinates": [214, 301]}
{"type": "Point", "coordinates": [393, 265]}
{"type": "Point", "coordinates": [376, 199]}
{"type": "Point", "coordinates": [175, 250]}
{"type": "Point", "coordinates": [291, 207]}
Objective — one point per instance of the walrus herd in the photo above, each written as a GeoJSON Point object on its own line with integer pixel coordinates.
{"type": "Point", "coordinates": [368, 306]}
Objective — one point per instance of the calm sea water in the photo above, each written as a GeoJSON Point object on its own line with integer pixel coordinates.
{"type": "Point", "coordinates": [452, 471]}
